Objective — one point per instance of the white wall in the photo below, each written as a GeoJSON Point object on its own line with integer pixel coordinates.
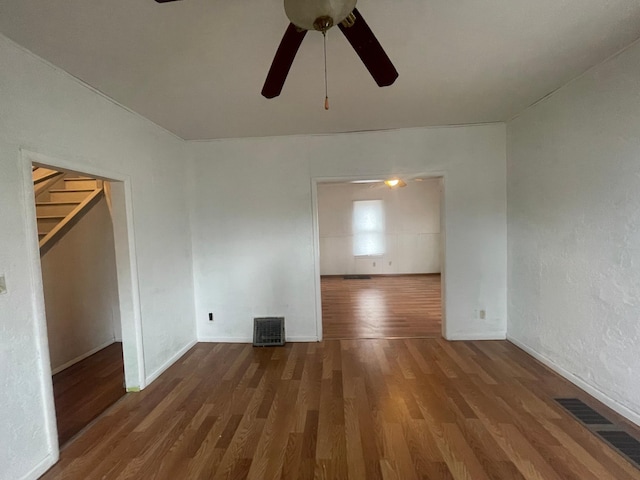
{"type": "Point", "coordinates": [253, 227]}
{"type": "Point", "coordinates": [46, 111]}
{"type": "Point", "coordinates": [574, 231]}
{"type": "Point", "coordinates": [81, 289]}
{"type": "Point", "coordinates": [412, 227]}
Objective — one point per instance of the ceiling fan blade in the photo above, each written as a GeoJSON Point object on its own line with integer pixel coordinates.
{"type": "Point", "coordinates": [370, 51]}
{"type": "Point", "coordinates": [282, 61]}
{"type": "Point", "coordinates": [166, 1]}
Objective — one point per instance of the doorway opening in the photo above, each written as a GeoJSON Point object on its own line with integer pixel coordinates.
{"type": "Point", "coordinates": [79, 278]}
{"type": "Point", "coordinates": [89, 315]}
{"type": "Point", "coordinates": [381, 258]}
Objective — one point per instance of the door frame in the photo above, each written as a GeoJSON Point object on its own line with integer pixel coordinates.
{"type": "Point", "coordinates": [316, 235]}
{"type": "Point", "coordinates": [127, 276]}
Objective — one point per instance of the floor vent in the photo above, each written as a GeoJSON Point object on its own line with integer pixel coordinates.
{"type": "Point", "coordinates": [582, 411]}
{"type": "Point", "coordinates": [268, 331]}
{"type": "Point", "coordinates": [619, 440]}
{"type": "Point", "coordinates": [357, 277]}
{"type": "Point", "coordinates": [624, 443]}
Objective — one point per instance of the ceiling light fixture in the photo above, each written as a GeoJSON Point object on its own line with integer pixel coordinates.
{"type": "Point", "coordinates": [318, 15]}
{"type": "Point", "coordinates": [395, 183]}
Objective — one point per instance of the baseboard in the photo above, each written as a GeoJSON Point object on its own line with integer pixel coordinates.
{"type": "Point", "coordinates": [151, 378]}
{"type": "Point", "coordinates": [477, 336]}
{"type": "Point", "coordinates": [225, 339]}
{"type": "Point", "coordinates": [81, 357]}
{"type": "Point", "coordinates": [39, 470]}
{"type": "Point", "coordinates": [300, 339]}
{"type": "Point", "coordinates": [578, 382]}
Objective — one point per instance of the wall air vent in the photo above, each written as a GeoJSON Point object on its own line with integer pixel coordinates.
{"type": "Point", "coordinates": [624, 443]}
{"type": "Point", "coordinates": [268, 331]}
{"type": "Point", "coordinates": [582, 411]}
{"type": "Point", "coordinates": [614, 435]}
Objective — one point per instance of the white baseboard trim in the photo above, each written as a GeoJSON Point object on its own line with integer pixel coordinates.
{"type": "Point", "coordinates": [81, 357]}
{"type": "Point", "coordinates": [477, 336]}
{"type": "Point", "coordinates": [301, 339]}
{"type": "Point", "coordinates": [39, 470]}
{"type": "Point", "coordinates": [154, 376]}
{"type": "Point", "coordinates": [225, 339]}
{"type": "Point", "coordinates": [578, 382]}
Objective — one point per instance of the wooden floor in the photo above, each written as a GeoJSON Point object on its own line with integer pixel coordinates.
{"type": "Point", "coordinates": [381, 307]}
{"type": "Point", "coordinates": [83, 391]}
{"type": "Point", "coordinates": [359, 409]}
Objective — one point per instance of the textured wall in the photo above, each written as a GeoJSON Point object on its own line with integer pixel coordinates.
{"type": "Point", "coordinates": [46, 111]}
{"type": "Point", "coordinates": [574, 230]}
{"type": "Point", "coordinates": [252, 222]}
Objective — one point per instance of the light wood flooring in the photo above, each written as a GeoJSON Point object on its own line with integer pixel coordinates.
{"type": "Point", "coordinates": [359, 409]}
{"type": "Point", "coordinates": [83, 391]}
{"type": "Point", "coordinates": [381, 307]}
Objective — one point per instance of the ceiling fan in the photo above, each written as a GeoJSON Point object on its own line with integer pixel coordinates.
{"type": "Point", "coordinates": [321, 15]}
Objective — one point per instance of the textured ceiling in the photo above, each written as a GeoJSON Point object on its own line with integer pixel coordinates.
{"type": "Point", "coordinates": [196, 67]}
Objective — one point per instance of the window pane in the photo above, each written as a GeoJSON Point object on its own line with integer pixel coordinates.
{"type": "Point", "coordinates": [368, 216]}
{"type": "Point", "coordinates": [368, 244]}
{"type": "Point", "coordinates": [368, 227]}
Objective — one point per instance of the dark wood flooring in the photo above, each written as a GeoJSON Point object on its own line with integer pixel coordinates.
{"type": "Point", "coordinates": [381, 307]}
{"type": "Point", "coordinates": [83, 391]}
{"type": "Point", "coordinates": [359, 409]}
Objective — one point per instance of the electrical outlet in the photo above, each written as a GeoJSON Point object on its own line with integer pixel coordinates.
{"type": "Point", "coordinates": [3, 285]}
{"type": "Point", "coordinates": [483, 314]}
{"type": "Point", "coordinates": [374, 264]}
{"type": "Point", "coordinates": [210, 317]}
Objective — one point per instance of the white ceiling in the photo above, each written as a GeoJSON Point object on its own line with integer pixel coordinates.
{"type": "Point", "coordinates": [196, 67]}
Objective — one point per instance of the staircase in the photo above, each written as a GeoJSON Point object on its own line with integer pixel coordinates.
{"type": "Point", "coordinates": [61, 200]}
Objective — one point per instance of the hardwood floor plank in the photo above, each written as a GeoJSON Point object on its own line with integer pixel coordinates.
{"type": "Point", "coordinates": [354, 450]}
{"type": "Point", "coordinates": [400, 455]}
{"type": "Point", "coordinates": [293, 457]}
{"type": "Point", "coordinates": [371, 443]}
{"type": "Point", "coordinates": [354, 409]}
{"type": "Point", "coordinates": [457, 453]}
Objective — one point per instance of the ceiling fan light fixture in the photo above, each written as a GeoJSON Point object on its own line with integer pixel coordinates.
{"type": "Point", "coordinates": [306, 13]}
{"type": "Point", "coordinates": [395, 183]}
{"type": "Point", "coordinates": [321, 15]}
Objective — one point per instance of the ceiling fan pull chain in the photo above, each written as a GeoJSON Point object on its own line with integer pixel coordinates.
{"type": "Point", "coordinates": [326, 88]}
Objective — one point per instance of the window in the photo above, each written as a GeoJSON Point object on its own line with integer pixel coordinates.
{"type": "Point", "coordinates": [368, 228]}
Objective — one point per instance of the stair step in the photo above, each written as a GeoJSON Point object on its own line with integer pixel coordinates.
{"type": "Point", "coordinates": [55, 208]}
{"type": "Point", "coordinates": [60, 190]}
{"type": "Point", "coordinates": [43, 174]}
{"type": "Point", "coordinates": [46, 223]}
{"type": "Point", "coordinates": [71, 195]}
{"type": "Point", "coordinates": [75, 183]}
